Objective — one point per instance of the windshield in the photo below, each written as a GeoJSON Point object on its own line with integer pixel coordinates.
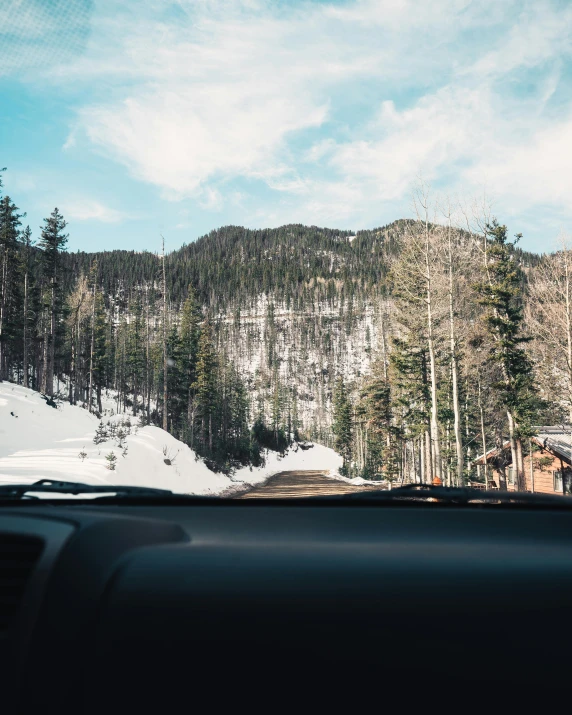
{"type": "Point", "coordinates": [258, 249]}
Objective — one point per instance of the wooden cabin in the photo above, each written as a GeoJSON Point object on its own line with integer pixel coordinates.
{"type": "Point", "coordinates": [546, 471]}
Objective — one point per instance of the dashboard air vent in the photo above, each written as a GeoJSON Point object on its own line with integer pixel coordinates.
{"type": "Point", "coordinates": [18, 556]}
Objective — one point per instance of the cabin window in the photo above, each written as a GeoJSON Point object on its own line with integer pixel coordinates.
{"type": "Point", "coordinates": [567, 480]}
{"type": "Point", "coordinates": [511, 474]}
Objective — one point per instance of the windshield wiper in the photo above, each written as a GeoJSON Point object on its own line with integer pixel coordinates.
{"type": "Point", "coordinates": [453, 495]}
{"type": "Point", "coordinates": [22, 491]}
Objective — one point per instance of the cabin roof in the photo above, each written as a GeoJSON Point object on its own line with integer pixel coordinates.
{"type": "Point", "coordinates": [556, 438]}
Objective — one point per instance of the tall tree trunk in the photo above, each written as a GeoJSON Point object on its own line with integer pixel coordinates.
{"type": "Point", "coordinates": [435, 439]}
{"type": "Point", "coordinates": [44, 358]}
{"type": "Point", "coordinates": [385, 372]}
{"type": "Point", "coordinates": [78, 389]}
{"type": "Point", "coordinates": [51, 342]}
{"type": "Point", "coordinates": [454, 368]}
{"type": "Point", "coordinates": [147, 356]}
{"type": "Point", "coordinates": [568, 287]}
{"type": "Point", "coordinates": [115, 338]}
{"type": "Point", "coordinates": [3, 312]}
{"type": "Point", "coordinates": [25, 376]}
{"type": "Point", "coordinates": [521, 478]}
{"type": "Point", "coordinates": [72, 364]}
{"type": "Point", "coordinates": [483, 433]}
{"type": "Point", "coordinates": [511, 431]}
{"type": "Point", "coordinates": [91, 351]}
{"type": "Point", "coordinates": [429, 470]}
{"type": "Point", "coordinates": [467, 430]}
{"type": "Point", "coordinates": [165, 362]}
{"type": "Point", "coordinates": [124, 369]}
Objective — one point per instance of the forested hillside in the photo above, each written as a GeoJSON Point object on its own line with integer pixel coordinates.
{"type": "Point", "coordinates": [411, 347]}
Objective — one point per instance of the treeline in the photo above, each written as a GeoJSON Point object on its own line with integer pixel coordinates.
{"type": "Point", "coordinates": [234, 342]}
{"type": "Point", "coordinates": [69, 339]}
{"type": "Point", "coordinates": [475, 351]}
{"type": "Point", "coordinates": [232, 265]}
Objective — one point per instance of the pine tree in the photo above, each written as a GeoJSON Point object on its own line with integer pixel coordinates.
{"type": "Point", "coordinates": [276, 411]}
{"type": "Point", "coordinates": [191, 318]}
{"type": "Point", "coordinates": [93, 291]}
{"type": "Point", "coordinates": [100, 344]}
{"type": "Point", "coordinates": [10, 281]}
{"type": "Point", "coordinates": [164, 340]}
{"type": "Point", "coordinates": [411, 396]}
{"type": "Point", "coordinates": [101, 434]}
{"type": "Point", "coordinates": [27, 313]}
{"type": "Point", "coordinates": [376, 404]}
{"type": "Point", "coordinates": [135, 358]}
{"type": "Point", "coordinates": [500, 293]}
{"type": "Point", "coordinates": [52, 242]}
{"type": "Point", "coordinates": [205, 385]}
{"type": "Point", "coordinates": [177, 383]}
{"type": "Point", "coordinates": [342, 424]}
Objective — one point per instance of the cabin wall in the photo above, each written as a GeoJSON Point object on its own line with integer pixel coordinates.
{"type": "Point", "coordinates": [543, 478]}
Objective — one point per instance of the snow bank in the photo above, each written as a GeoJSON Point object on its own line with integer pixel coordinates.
{"type": "Point", "coordinates": [41, 442]}
{"type": "Point", "coordinates": [360, 481]}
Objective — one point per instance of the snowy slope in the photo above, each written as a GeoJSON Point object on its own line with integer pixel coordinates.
{"type": "Point", "coordinates": [38, 441]}
{"type": "Point", "coordinates": [41, 442]}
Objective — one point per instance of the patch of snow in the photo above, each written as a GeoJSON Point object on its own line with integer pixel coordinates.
{"type": "Point", "coordinates": [359, 481]}
{"type": "Point", "coordinates": [41, 442]}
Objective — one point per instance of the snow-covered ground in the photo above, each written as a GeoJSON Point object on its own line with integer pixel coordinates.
{"type": "Point", "coordinates": [42, 442]}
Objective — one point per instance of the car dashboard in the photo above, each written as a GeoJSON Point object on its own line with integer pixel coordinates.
{"type": "Point", "coordinates": [126, 608]}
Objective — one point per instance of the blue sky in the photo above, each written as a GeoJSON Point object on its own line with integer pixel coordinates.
{"type": "Point", "coordinates": [176, 117]}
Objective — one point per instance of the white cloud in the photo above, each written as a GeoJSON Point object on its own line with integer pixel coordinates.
{"type": "Point", "coordinates": [90, 210]}
{"type": "Point", "coordinates": [221, 95]}
{"type": "Point", "coordinates": [336, 108]}
{"type": "Point", "coordinates": [538, 34]}
{"type": "Point", "coordinates": [70, 142]}
{"type": "Point", "coordinates": [210, 199]}
{"type": "Point", "coordinates": [180, 139]}
{"type": "Point", "coordinates": [536, 171]}
{"type": "Point", "coordinates": [439, 131]}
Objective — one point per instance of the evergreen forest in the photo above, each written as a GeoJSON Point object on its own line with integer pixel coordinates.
{"type": "Point", "coordinates": [411, 348]}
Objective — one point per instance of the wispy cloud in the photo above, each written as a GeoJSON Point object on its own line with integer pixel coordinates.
{"type": "Point", "coordinates": [90, 210]}
{"type": "Point", "coordinates": [332, 108]}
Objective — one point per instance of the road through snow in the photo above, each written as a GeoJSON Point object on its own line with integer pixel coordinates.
{"type": "Point", "coordinates": [302, 483]}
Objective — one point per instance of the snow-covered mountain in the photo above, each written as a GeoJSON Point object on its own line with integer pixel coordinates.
{"type": "Point", "coordinates": [292, 307]}
{"type": "Point", "coordinates": [38, 441]}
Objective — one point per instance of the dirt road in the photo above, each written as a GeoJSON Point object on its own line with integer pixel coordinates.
{"type": "Point", "coordinates": [300, 484]}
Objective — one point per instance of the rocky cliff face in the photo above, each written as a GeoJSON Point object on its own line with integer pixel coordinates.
{"type": "Point", "coordinates": [299, 353]}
